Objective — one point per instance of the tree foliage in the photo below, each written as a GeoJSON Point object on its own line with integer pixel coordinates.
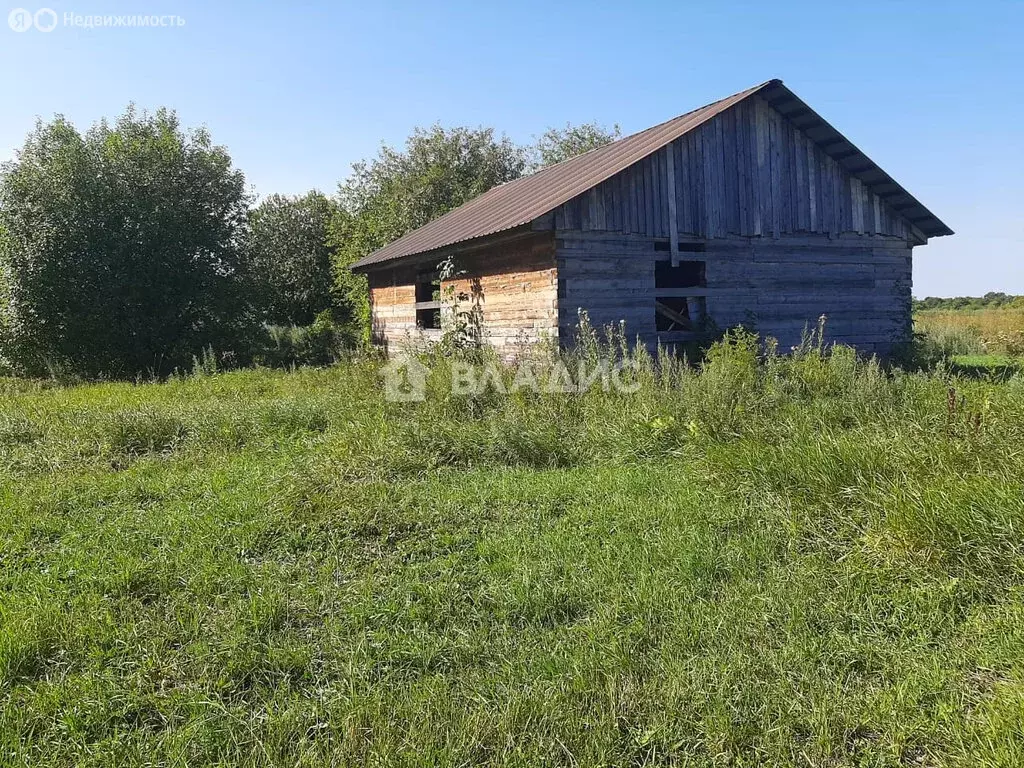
{"type": "Point", "coordinates": [291, 258]}
{"type": "Point", "coordinates": [558, 144]}
{"type": "Point", "coordinates": [399, 190]}
{"type": "Point", "coordinates": [131, 248]}
{"type": "Point", "coordinates": [438, 170]}
{"type": "Point", "coordinates": [121, 247]}
{"type": "Point", "coordinates": [991, 300]}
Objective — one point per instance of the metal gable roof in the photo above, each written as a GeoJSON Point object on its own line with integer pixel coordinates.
{"type": "Point", "coordinates": [521, 201]}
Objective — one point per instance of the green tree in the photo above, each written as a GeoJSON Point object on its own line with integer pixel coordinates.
{"type": "Point", "coordinates": [401, 189]}
{"type": "Point", "coordinates": [122, 247]}
{"type": "Point", "coordinates": [558, 144]}
{"type": "Point", "coordinates": [348, 236]}
{"type": "Point", "coordinates": [290, 257]}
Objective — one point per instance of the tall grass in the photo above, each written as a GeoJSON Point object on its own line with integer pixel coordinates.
{"type": "Point", "coordinates": [974, 332]}
{"type": "Point", "coordinates": [759, 560]}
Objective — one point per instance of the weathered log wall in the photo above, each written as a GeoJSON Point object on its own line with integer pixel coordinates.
{"type": "Point", "coordinates": [781, 286]}
{"type": "Point", "coordinates": [393, 306]}
{"type": "Point", "coordinates": [513, 285]}
{"type": "Point", "coordinates": [777, 285]}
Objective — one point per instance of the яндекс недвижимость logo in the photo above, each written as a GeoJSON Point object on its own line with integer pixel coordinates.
{"type": "Point", "coordinates": [46, 20]}
{"type": "Point", "coordinates": [22, 20]}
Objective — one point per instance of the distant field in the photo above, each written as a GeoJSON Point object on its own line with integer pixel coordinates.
{"type": "Point", "coordinates": [989, 330]}
{"type": "Point", "coordinates": [799, 562]}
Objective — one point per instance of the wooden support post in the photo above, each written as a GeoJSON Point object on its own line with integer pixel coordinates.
{"type": "Point", "coordinates": [673, 223]}
{"type": "Point", "coordinates": [667, 312]}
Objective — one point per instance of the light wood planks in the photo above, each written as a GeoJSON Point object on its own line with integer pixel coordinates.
{"type": "Point", "coordinates": [515, 286]}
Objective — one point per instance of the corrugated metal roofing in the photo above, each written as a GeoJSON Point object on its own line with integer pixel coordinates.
{"type": "Point", "coordinates": [523, 200]}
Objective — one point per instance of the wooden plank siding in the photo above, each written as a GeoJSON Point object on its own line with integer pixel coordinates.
{"type": "Point", "coordinates": [777, 285]}
{"type": "Point", "coordinates": [746, 172]}
{"type": "Point", "coordinates": [514, 284]}
{"type": "Point", "coordinates": [392, 305]}
{"type": "Point", "coordinates": [609, 276]}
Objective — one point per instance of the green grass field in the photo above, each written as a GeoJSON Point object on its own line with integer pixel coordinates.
{"type": "Point", "coordinates": [975, 332]}
{"type": "Point", "coordinates": [803, 562]}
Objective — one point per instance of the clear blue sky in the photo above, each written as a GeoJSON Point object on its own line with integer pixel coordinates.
{"type": "Point", "coordinates": [932, 91]}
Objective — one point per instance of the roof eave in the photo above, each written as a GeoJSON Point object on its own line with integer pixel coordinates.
{"type": "Point", "coordinates": [443, 251]}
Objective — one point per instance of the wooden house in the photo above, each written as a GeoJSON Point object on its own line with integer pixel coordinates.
{"type": "Point", "coordinates": [752, 210]}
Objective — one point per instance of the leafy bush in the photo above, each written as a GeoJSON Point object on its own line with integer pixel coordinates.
{"type": "Point", "coordinates": [991, 300]}
{"type": "Point", "coordinates": [119, 249]}
{"type": "Point", "coordinates": [290, 258]}
{"type": "Point", "coordinates": [317, 344]}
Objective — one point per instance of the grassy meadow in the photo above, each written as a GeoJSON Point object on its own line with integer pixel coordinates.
{"type": "Point", "coordinates": [997, 332]}
{"type": "Point", "coordinates": [801, 561]}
